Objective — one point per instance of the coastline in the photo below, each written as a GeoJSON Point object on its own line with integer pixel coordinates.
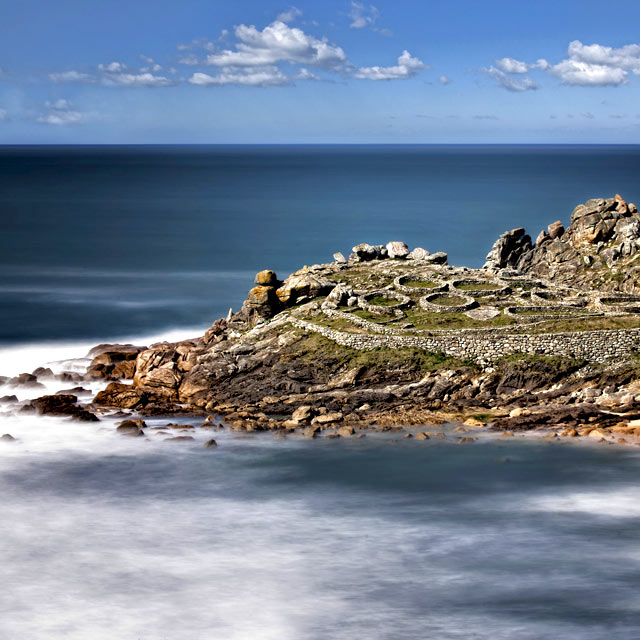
{"type": "Point", "coordinates": [389, 339]}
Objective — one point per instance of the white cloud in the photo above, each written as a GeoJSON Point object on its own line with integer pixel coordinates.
{"type": "Point", "coordinates": [3, 115]}
{"type": "Point", "coordinates": [60, 104]}
{"type": "Point", "coordinates": [290, 14]}
{"type": "Point", "coordinates": [576, 72]}
{"type": "Point", "coordinates": [270, 76]}
{"type": "Point", "coordinates": [596, 65]}
{"type": "Point", "coordinates": [444, 80]}
{"type": "Point", "coordinates": [511, 65]}
{"type": "Point", "coordinates": [305, 74]}
{"type": "Point", "coordinates": [61, 112]}
{"type": "Point", "coordinates": [136, 80]}
{"type": "Point", "coordinates": [71, 76]}
{"type": "Point", "coordinates": [407, 67]}
{"type": "Point", "coordinates": [362, 16]}
{"type": "Point", "coordinates": [509, 83]}
{"type": "Point", "coordinates": [278, 42]}
{"type": "Point", "coordinates": [113, 67]}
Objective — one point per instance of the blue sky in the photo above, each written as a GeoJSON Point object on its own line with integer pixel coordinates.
{"type": "Point", "coordinates": [408, 71]}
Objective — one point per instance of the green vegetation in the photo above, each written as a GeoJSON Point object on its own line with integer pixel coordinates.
{"type": "Point", "coordinates": [319, 349]}
{"type": "Point", "coordinates": [448, 301]}
{"type": "Point", "coordinates": [421, 284]}
{"type": "Point", "coordinates": [381, 301]}
{"type": "Point", "coordinates": [478, 286]}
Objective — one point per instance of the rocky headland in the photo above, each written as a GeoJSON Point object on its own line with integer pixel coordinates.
{"type": "Point", "coordinates": [542, 339]}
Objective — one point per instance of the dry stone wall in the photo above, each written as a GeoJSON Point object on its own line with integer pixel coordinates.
{"type": "Point", "coordinates": [594, 346]}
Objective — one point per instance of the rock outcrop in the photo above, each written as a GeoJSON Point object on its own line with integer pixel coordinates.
{"type": "Point", "coordinates": [596, 247]}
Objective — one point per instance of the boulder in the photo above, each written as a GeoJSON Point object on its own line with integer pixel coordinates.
{"type": "Point", "coordinates": [62, 405]}
{"type": "Point", "coordinates": [113, 361]}
{"type": "Point", "coordinates": [543, 236]}
{"type": "Point", "coordinates": [7, 437]}
{"type": "Point", "coordinates": [508, 250]}
{"type": "Point", "coordinates": [555, 229]}
{"type": "Point", "coordinates": [210, 444]}
{"type": "Point", "coordinates": [421, 435]}
{"type": "Point", "coordinates": [418, 254]}
{"type": "Point", "coordinates": [302, 414]}
{"type": "Point", "coordinates": [132, 428]}
{"type": "Point", "coordinates": [364, 253]}
{"type": "Point", "coordinates": [302, 286]}
{"type": "Point", "coordinates": [25, 380]}
{"type": "Point", "coordinates": [396, 249]}
{"type": "Point", "coordinates": [328, 418]}
{"type": "Point", "coordinates": [339, 258]}
{"type": "Point", "coordinates": [439, 257]}
{"type": "Point", "coordinates": [346, 432]}
{"type": "Point", "coordinates": [121, 395]}
{"type": "Point", "coordinates": [341, 294]}
{"type": "Point", "coordinates": [266, 278]}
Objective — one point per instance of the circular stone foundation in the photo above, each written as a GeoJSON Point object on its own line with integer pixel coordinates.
{"type": "Point", "coordinates": [438, 302]}
{"type": "Point", "coordinates": [400, 283]}
{"type": "Point", "coordinates": [367, 303]}
{"type": "Point", "coordinates": [479, 288]}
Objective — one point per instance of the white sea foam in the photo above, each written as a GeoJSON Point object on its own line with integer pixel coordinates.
{"type": "Point", "coordinates": [71, 356]}
{"type": "Point", "coordinates": [612, 503]}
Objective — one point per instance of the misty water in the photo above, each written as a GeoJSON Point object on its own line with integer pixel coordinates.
{"type": "Point", "coordinates": [384, 538]}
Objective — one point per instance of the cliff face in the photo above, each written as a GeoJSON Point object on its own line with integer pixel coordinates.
{"type": "Point", "coordinates": [599, 249]}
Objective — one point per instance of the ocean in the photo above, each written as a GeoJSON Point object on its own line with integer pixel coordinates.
{"type": "Point", "coordinates": [262, 539]}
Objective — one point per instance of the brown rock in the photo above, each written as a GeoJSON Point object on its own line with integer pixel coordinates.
{"type": "Point", "coordinates": [210, 444]}
{"type": "Point", "coordinates": [346, 432]}
{"type": "Point", "coordinates": [266, 278]}
{"type": "Point", "coordinates": [421, 435]}
{"type": "Point", "coordinates": [131, 428]}
{"type": "Point", "coordinates": [121, 395]}
{"type": "Point", "coordinates": [555, 229]}
{"type": "Point", "coordinates": [327, 418]}
{"type": "Point", "coordinates": [302, 414]}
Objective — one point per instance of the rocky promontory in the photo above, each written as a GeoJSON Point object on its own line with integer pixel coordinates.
{"type": "Point", "coordinates": [543, 338]}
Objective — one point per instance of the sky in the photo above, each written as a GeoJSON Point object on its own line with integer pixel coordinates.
{"type": "Point", "coordinates": [336, 71]}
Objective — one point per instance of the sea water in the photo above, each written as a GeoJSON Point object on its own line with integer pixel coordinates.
{"type": "Point", "coordinates": [109, 537]}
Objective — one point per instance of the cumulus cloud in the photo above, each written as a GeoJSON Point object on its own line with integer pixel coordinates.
{"type": "Point", "coordinates": [508, 82]}
{"type": "Point", "coordinates": [444, 80]}
{"type": "Point", "coordinates": [363, 16]}
{"type": "Point", "coordinates": [271, 76]}
{"type": "Point", "coordinates": [278, 42]}
{"type": "Point", "coordinates": [290, 14]}
{"type": "Point", "coordinates": [407, 67]}
{"type": "Point", "coordinates": [145, 79]}
{"type": "Point", "coordinates": [592, 65]}
{"type": "Point", "coordinates": [584, 74]}
{"type": "Point", "coordinates": [113, 67]}
{"type": "Point", "coordinates": [60, 112]}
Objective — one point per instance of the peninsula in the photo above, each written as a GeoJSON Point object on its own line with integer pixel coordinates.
{"type": "Point", "coordinates": [543, 337]}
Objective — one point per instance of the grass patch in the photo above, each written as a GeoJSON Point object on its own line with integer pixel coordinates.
{"type": "Point", "coordinates": [478, 286]}
{"type": "Point", "coordinates": [318, 348]}
{"type": "Point", "coordinates": [381, 301]}
{"type": "Point", "coordinates": [421, 284]}
{"type": "Point", "coordinates": [448, 301]}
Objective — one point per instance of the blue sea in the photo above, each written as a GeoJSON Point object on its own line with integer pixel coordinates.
{"type": "Point", "coordinates": [379, 538]}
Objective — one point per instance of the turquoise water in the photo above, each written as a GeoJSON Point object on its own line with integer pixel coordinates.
{"type": "Point", "coordinates": [101, 242]}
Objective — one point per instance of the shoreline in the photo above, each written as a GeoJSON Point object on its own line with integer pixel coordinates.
{"type": "Point", "coordinates": [543, 339]}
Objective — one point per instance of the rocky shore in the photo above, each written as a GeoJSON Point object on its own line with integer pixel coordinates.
{"type": "Point", "coordinates": [543, 339]}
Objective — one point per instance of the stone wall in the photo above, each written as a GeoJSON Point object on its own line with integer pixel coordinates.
{"type": "Point", "coordinates": [595, 346]}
